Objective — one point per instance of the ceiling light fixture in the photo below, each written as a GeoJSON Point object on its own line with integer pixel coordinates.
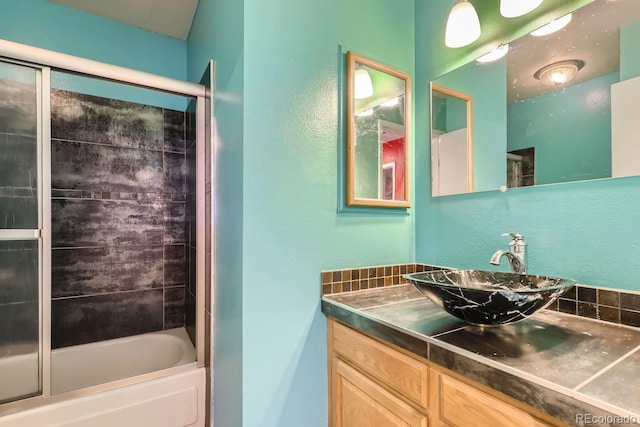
{"type": "Point", "coordinates": [514, 8]}
{"type": "Point", "coordinates": [362, 83]}
{"type": "Point", "coordinates": [392, 102]}
{"type": "Point", "coordinates": [552, 26]}
{"type": "Point", "coordinates": [559, 73]}
{"type": "Point", "coordinates": [463, 25]}
{"type": "Point", "coordinates": [495, 54]}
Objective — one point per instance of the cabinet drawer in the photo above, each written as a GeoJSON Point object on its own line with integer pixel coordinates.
{"type": "Point", "coordinates": [389, 367]}
{"type": "Point", "coordinates": [462, 405]}
{"type": "Point", "coordinates": [363, 403]}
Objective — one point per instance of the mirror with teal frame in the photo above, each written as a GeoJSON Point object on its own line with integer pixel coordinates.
{"type": "Point", "coordinates": [378, 124]}
{"type": "Point", "coordinates": [528, 132]}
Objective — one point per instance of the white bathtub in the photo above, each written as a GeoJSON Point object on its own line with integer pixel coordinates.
{"type": "Point", "coordinates": [85, 365]}
{"type": "Point", "coordinates": [175, 400]}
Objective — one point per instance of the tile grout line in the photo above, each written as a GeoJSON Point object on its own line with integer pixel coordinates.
{"type": "Point", "coordinates": [606, 368]}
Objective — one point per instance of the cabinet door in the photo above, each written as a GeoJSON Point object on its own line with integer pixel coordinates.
{"type": "Point", "coordinates": [462, 405]}
{"type": "Point", "coordinates": [360, 402]}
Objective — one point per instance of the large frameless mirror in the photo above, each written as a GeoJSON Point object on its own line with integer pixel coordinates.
{"type": "Point", "coordinates": [558, 107]}
{"type": "Point", "coordinates": [377, 134]}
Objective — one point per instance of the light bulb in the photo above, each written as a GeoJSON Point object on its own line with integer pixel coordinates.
{"type": "Point", "coordinates": [362, 83]}
{"type": "Point", "coordinates": [495, 54]}
{"type": "Point", "coordinates": [559, 73]}
{"type": "Point", "coordinates": [552, 26]}
{"type": "Point", "coordinates": [463, 25]}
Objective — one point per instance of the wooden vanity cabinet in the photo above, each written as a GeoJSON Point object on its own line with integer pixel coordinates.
{"type": "Point", "coordinates": [373, 384]}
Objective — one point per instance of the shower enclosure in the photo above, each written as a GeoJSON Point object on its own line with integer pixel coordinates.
{"type": "Point", "coordinates": [103, 244]}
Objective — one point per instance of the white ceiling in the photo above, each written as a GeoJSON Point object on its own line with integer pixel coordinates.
{"type": "Point", "coordinates": [169, 17]}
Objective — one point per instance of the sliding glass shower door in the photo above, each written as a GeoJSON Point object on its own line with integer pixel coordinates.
{"type": "Point", "coordinates": [20, 231]}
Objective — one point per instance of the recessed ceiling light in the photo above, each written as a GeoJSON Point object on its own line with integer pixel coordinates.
{"type": "Point", "coordinates": [559, 73]}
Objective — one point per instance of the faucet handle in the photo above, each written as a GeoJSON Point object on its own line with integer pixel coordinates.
{"type": "Point", "coordinates": [514, 236]}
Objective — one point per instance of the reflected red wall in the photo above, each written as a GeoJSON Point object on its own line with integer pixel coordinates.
{"type": "Point", "coordinates": [393, 152]}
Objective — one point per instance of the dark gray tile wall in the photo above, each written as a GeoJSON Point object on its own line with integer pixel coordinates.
{"type": "Point", "coordinates": [119, 219]}
{"type": "Point", "coordinates": [190, 218]}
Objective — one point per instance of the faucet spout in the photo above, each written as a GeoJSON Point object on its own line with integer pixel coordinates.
{"type": "Point", "coordinates": [514, 262]}
{"type": "Point", "coordinates": [516, 255]}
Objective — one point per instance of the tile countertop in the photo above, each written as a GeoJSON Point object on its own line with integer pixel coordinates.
{"type": "Point", "coordinates": [561, 364]}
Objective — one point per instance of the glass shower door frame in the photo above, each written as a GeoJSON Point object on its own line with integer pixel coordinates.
{"type": "Point", "coordinates": [42, 234]}
{"type": "Point", "coordinates": [44, 62]}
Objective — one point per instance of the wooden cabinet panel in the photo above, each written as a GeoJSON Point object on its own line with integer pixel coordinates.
{"type": "Point", "coordinates": [360, 402]}
{"type": "Point", "coordinates": [398, 371]}
{"type": "Point", "coordinates": [462, 405]}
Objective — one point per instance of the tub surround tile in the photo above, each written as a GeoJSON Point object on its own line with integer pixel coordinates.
{"type": "Point", "coordinates": [174, 307]}
{"type": "Point", "coordinates": [90, 271]}
{"type": "Point", "coordinates": [88, 118]}
{"type": "Point", "coordinates": [175, 265]}
{"type": "Point", "coordinates": [18, 107]}
{"type": "Point", "coordinates": [102, 317]}
{"type": "Point", "coordinates": [174, 131]}
{"type": "Point", "coordinates": [82, 166]}
{"type": "Point", "coordinates": [19, 323]}
{"type": "Point", "coordinates": [174, 223]}
{"type": "Point", "coordinates": [18, 161]}
{"type": "Point", "coordinates": [174, 175]}
{"type": "Point", "coordinates": [19, 272]}
{"type": "Point", "coordinates": [18, 212]}
{"type": "Point", "coordinates": [104, 222]}
{"type": "Point", "coordinates": [119, 222]}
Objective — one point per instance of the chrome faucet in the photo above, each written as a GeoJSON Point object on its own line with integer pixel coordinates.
{"type": "Point", "coordinates": [516, 255]}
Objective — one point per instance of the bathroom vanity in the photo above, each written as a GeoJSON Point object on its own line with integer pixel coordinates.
{"type": "Point", "coordinates": [395, 358]}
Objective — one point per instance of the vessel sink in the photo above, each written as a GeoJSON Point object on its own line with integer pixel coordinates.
{"type": "Point", "coordinates": [489, 298]}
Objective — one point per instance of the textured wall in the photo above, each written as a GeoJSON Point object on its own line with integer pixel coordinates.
{"type": "Point", "coordinates": [584, 230]}
{"type": "Point", "coordinates": [570, 130]}
{"type": "Point", "coordinates": [118, 220]}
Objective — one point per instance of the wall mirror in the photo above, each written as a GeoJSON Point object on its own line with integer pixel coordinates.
{"type": "Point", "coordinates": [558, 107]}
{"type": "Point", "coordinates": [451, 141]}
{"type": "Point", "coordinates": [377, 134]}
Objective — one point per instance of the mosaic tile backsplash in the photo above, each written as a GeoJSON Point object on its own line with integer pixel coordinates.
{"type": "Point", "coordinates": [609, 305]}
{"type": "Point", "coordinates": [120, 264]}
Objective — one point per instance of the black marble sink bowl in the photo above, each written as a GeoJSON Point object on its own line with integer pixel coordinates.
{"type": "Point", "coordinates": [489, 298]}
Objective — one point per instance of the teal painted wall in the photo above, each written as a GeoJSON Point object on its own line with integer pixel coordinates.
{"type": "Point", "coordinates": [218, 33]}
{"type": "Point", "coordinates": [292, 229]}
{"type": "Point", "coordinates": [570, 129]}
{"type": "Point", "coordinates": [629, 57]}
{"type": "Point", "coordinates": [50, 26]}
{"type": "Point", "coordinates": [279, 148]}
{"type": "Point", "coordinates": [485, 83]}
{"type": "Point", "coordinates": [584, 230]}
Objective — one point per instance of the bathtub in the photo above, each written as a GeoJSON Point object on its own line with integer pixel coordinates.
{"type": "Point", "coordinates": [85, 365]}
{"type": "Point", "coordinates": [174, 400]}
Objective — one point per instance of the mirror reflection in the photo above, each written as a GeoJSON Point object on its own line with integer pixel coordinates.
{"type": "Point", "coordinates": [558, 107]}
{"type": "Point", "coordinates": [377, 134]}
{"type": "Point", "coordinates": [451, 141]}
